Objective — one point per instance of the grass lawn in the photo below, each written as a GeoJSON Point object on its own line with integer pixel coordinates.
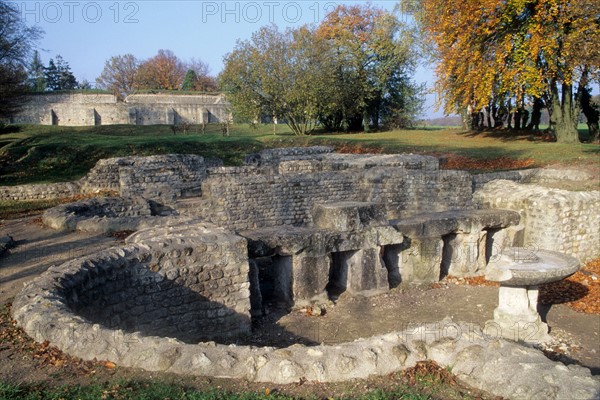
{"type": "Point", "coordinates": [160, 391]}
{"type": "Point", "coordinates": [38, 154]}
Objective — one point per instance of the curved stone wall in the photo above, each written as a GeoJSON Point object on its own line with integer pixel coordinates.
{"type": "Point", "coordinates": [148, 303]}
{"type": "Point", "coordinates": [191, 288]}
{"type": "Point", "coordinates": [475, 356]}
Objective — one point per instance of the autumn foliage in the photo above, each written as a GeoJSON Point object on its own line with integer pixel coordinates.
{"type": "Point", "coordinates": [580, 291]}
{"type": "Point", "coordinates": [495, 54]}
{"type": "Point", "coordinates": [125, 74]}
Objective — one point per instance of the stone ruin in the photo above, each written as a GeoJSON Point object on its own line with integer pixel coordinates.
{"type": "Point", "coordinates": [294, 227]}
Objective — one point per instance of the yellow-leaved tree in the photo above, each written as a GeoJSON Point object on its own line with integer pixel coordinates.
{"type": "Point", "coordinates": [492, 52]}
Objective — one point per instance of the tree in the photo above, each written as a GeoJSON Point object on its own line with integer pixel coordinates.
{"type": "Point", "coordinates": [495, 50]}
{"type": "Point", "coordinates": [278, 75]}
{"type": "Point", "coordinates": [163, 71]}
{"type": "Point", "coordinates": [189, 82]}
{"type": "Point", "coordinates": [37, 79]}
{"type": "Point", "coordinates": [16, 42]}
{"type": "Point", "coordinates": [375, 55]}
{"type": "Point", "coordinates": [59, 76]}
{"type": "Point", "coordinates": [198, 78]}
{"type": "Point", "coordinates": [13, 90]}
{"type": "Point", "coordinates": [66, 79]}
{"type": "Point", "coordinates": [52, 76]}
{"type": "Point", "coordinates": [119, 75]}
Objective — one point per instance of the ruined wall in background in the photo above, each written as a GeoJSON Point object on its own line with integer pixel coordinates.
{"type": "Point", "coordinates": [93, 109]}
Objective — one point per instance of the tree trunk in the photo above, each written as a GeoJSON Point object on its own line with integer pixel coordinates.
{"type": "Point", "coordinates": [366, 119]}
{"type": "Point", "coordinates": [465, 118]}
{"type": "Point", "coordinates": [536, 114]}
{"type": "Point", "coordinates": [564, 114]}
{"type": "Point", "coordinates": [510, 115]}
{"type": "Point", "coordinates": [518, 115]}
{"type": "Point", "coordinates": [590, 110]}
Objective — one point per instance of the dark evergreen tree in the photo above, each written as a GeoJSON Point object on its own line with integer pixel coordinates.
{"type": "Point", "coordinates": [59, 76]}
{"type": "Point", "coordinates": [66, 78]}
{"type": "Point", "coordinates": [190, 80]}
{"type": "Point", "coordinates": [52, 76]}
{"type": "Point", "coordinates": [37, 79]}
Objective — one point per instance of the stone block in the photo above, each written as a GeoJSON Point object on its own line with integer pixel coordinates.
{"type": "Point", "coordinates": [310, 278]}
{"type": "Point", "coordinates": [421, 259]}
{"type": "Point", "coordinates": [348, 216]}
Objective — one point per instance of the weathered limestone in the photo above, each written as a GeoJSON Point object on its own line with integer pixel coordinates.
{"type": "Point", "coordinates": [6, 243]}
{"type": "Point", "coordinates": [315, 227]}
{"type": "Point", "coordinates": [40, 191]}
{"type": "Point", "coordinates": [486, 362]}
{"type": "Point", "coordinates": [520, 271]}
{"type": "Point", "coordinates": [105, 214]}
{"type": "Point", "coordinates": [458, 243]}
{"type": "Point", "coordinates": [348, 216]}
{"type": "Point", "coordinates": [532, 175]}
{"type": "Point", "coordinates": [266, 198]}
{"type": "Point", "coordinates": [191, 286]}
{"type": "Point", "coordinates": [164, 177]}
{"type": "Point", "coordinates": [326, 262]}
{"type": "Point", "coordinates": [552, 219]}
{"type": "Point", "coordinates": [362, 254]}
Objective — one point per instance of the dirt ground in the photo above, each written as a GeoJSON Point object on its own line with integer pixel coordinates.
{"type": "Point", "coordinates": [577, 334]}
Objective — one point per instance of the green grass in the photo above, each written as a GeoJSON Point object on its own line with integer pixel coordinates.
{"type": "Point", "coordinates": [127, 390]}
{"type": "Point", "coordinates": [38, 154]}
{"type": "Point", "coordinates": [159, 391]}
{"type": "Point", "coordinates": [14, 208]}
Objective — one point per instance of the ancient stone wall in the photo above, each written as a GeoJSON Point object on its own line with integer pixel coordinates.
{"type": "Point", "coordinates": [191, 289]}
{"type": "Point", "coordinates": [553, 219]}
{"type": "Point", "coordinates": [90, 109]}
{"type": "Point", "coordinates": [99, 215]}
{"type": "Point", "coordinates": [163, 177]}
{"type": "Point", "coordinates": [533, 175]}
{"type": "Point", "coordinates": [269, 199]}
{"type": "Point", "coordinates": [39, 191]}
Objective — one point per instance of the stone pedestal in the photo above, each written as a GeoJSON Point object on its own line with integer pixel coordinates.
{"type": "Point", "coordinates": [516, 316]}
{"type": "Point", "coordinates": [366, 272]}
{"type": "Point", "coordinates": [520, 271]}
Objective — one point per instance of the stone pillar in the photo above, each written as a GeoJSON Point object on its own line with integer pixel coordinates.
{"type": "Point", "coordinates": [420, 262]}
{"type": "Point", "coordinates": [283, 280]}
{"type": "Point", "coordinates": [465, 253]}
{"type": "Point", "coordinates": [310, 278]}
{"type": "Point", "coordinates": [499, 239]}
{"type": "Point", "coordinates": [516, 315]}
{"type": "Point", "coordinates": [366, 272]}
{"type": "Point", "coordinates": [89, 117]}
{"type": "Point", "coordinates": [170, 116]}
{"type": "Point", "coordinates": [133, 116]}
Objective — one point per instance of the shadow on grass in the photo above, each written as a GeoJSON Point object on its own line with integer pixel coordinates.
{"type": "Point", "coordinates": [506, 135]}
{"type": "Point", "coordinates": [6, 129]}
{"type": "Point", "coordinates": [398, 146]}
{"type": "Point", "coordinates": [55, 157]}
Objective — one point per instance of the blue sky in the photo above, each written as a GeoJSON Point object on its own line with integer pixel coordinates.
{"type": "Point", "coordinates": [87, 33]}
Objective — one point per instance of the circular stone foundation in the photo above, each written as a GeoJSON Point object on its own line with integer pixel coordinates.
{"type": "Point", "coordinates": [149, 303]}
